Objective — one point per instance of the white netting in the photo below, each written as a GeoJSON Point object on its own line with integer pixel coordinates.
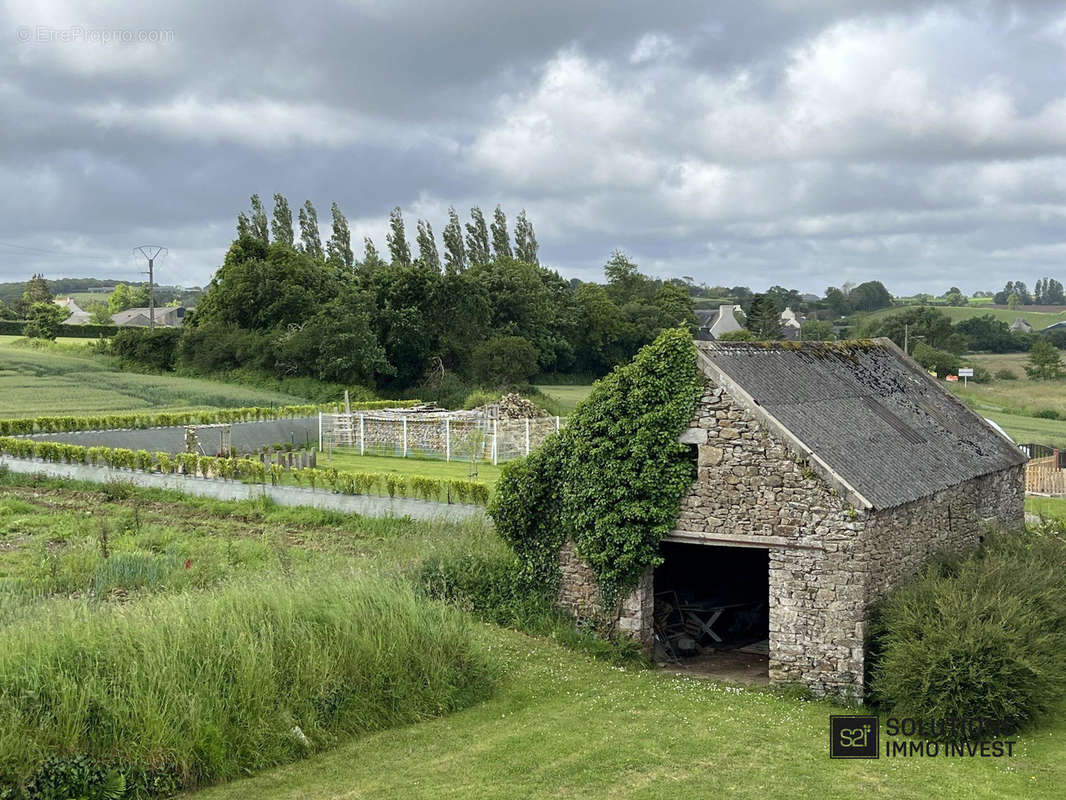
{"type": "Point", "coordinates": [451, 435]}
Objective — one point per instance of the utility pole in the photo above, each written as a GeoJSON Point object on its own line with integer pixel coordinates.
{"type": "Point", "coordinates": [151, 252]}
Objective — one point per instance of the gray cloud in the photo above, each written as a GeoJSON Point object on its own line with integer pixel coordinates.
{"type": "Point", "coordinates": [796, 143]}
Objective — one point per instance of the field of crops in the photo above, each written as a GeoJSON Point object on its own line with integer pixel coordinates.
{"type": "Point", "coordinates": [47, 381]}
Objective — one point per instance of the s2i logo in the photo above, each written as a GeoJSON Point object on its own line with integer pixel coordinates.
{"type": "Point", "coordinates": [853, 736]}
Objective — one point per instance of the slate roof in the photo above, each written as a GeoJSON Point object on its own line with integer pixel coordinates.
{"type": "Point", "coordinates": [869, 413]}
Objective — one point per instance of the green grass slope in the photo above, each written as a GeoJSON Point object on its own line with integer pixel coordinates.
{"type": "Point", "coordinates": [61, 381]}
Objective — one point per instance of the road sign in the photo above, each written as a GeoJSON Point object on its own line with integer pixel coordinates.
{"type": "Point", "coordinates": [966, 372]}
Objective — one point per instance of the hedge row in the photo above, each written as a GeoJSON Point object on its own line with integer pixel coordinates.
{"type": "Point", "coordinates": [27, 425]}
{"type": "Point", "coordinates": [14, 327]}
{"type": "Point", "coordinates": [250, 470]}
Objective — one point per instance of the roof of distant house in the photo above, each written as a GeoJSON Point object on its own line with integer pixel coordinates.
{"type": "Point", "coordinates": [864, 412]}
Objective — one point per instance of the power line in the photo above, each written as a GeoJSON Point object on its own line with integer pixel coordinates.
{"type": "Point", "coordinates": [54, 252]}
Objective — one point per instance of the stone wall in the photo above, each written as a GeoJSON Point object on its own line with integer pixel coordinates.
{"type": "Point", "coordinates": [900, 540]}
{"type": "Point", "coordinates": [579, 595]}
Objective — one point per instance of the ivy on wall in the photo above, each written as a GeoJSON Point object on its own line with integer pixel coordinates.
{"type": "Point", "coordinates": [613, 479]}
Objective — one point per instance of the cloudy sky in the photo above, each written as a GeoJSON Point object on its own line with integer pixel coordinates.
{"type": "Point", "coordinates": [800, 142]}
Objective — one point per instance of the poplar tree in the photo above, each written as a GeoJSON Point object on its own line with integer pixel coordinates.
{"type": "Point", "coordinates": [525, 241]}
{"type": "Point", "coordinates": [310, 237]}
{"type": "Point", "coordinates": [454, 250]}
{"type": "Point", "coordinates": [477, 238]}
{"type": "Point", "coordinates": [259, 227]}
{"type": "Point", "coordinates": [396, 239]}
{"type": "Point", "coordinates": [427, 246]}
{"type": "Point", "coordinates": [339, 246]}
{"type": "Point", "coordinates": [244, 225]}
{"type": "Point", "coordinates": [501, 242]}
{"type": "Point", "coordinates": [281, 226]}
{"type": "Point", "coordinates": [371, 257]}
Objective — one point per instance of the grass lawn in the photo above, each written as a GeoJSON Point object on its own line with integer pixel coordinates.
{"type": "Point", "coordinates": [566, 726]}
{"type": "Point", "coordinates": [1051, 507]}
{"type": "Point", "coordinates": [567, 396]}
{"type": "Point", "coordinates": [459, 470]}
{"type": "Point", "coordinates": [559, 725]}
{"type": "Point", "coordinates": [67, 380]}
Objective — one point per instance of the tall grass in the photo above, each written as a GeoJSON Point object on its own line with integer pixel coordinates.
{"type": "Point", "coordinates": [203, 687]}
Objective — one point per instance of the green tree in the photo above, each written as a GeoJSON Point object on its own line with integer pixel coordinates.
{"type": "Point", "coordinates": [339, 247]}
{"type": "Point", "coordinates": [987, 333]}
{"type": "Point", "coordinates": [454, 249]}
{"type": "Point", "coordinates": [477, 238]}
{"type": "Point", "coordinates": [764, 318]}
{"type": "Point", "coordinates": [625, 283]}
{"type": "Point", "coordinates": [921, 323]}
{"type": "Point", "coordinates": [1053, 293]}
{"type": "Point", "coordinates": [396, 239]}
{"type": "Point", "coordinates": [837, 301]}
{"type": "Point", "coordinates": [501, 241]}
{"type": "Point", "coordinates": [504, 360]}
{"type": "Point", "coordinates": [124, 297]}
{"type": "Point", "coordinates": [6, 311]}
{"type": "Point", "coordinates": [310, 237]}
{"type": "Point", "coordinates": [427, 246]}
{"type": "Point", "coordinates": [281, 226]}
{"type": "Point", "coordinates": [676, 305]}
{"type": "Point", "coordinates": [259, 227]}
{"type": "Point", "coordinates": [525, 240]}
{"type": "Point", "coordinates": [372, 259]}
{"type": "Point", "coordinates": [43, 321]}
{"type": "Point", "coordinates": [816, 330]}
{"type": "Point", "coordinates": [36, 291]}
{"type": "Point", "coordinates": [99, 313]}
{"type": "Point", "coordinates": [941, 362]}
{"type": "Point", "coordinates": [1045, 361]}
{"type": "Point", "coordinates": [869, 296]}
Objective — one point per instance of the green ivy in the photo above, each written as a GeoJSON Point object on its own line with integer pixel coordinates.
{"type": "Point", "coordinates": [613, 479]}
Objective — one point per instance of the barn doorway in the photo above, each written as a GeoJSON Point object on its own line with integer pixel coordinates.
{"type": "Point", "coordinates": [712, 610]}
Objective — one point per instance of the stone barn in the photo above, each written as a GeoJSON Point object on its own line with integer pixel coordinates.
{"type": "Point", "coordinates": [827, 474]}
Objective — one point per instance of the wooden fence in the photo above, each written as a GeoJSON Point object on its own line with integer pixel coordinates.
{"type": "Point", "coordinates": [1045, 476]}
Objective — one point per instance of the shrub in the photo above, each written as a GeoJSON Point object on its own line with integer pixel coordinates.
{"type": "Point", "coordinates": [209, 687]}
{"type": "Point", "coordinates": [156, 349]}
{"type": "Point", "coordinates": [1006, 375]}
{"type": "Point", "coordinates": [1046, 413]}
{"type": "Point", "coordinates": [978, 638]}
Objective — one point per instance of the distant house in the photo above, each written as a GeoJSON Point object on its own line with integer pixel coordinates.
{"type": "Point", "coordinates": [1056, 326]}
{"type": "Point", "coordinates": [791, 322]}
{"type": "Point", "coordinates": [165, 317]}
{"type": "Point", "coordinates": [1021, 326]}
{"type": "Point", "coordinates": [78, 316]}
{"type": "Point", "coordinates": [712, 324]}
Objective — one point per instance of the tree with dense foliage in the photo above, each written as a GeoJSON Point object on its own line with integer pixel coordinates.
{"type": "Point", "coordinates": [339, 247]}
{"type": "Point", "coordinates": [477, 238]}
{"type": "Point", "coordinates": [501, 241]}
{"type": "Point", "coordinates": [525, 240]}
{"type": "Point", "coordinates": [36, 291]}
{"type": "Point", "coordinates": [816, 330]}
{"type": "Point", "coordinates": [259, 227]}
{"type": "Point", "coordinates": [920, 323]}
{"type": "Point", "coordinates": [372, 259]}
{"type": "Point", "coordinates": [1045, 361]}
{"type": "Point", "coordinates": [427, 247]}
{"type": "Point", "coordinates": [504, 360]}
{"type": "Point", "coordinates": [454, 249]}
{"type": "Point", "coordinates": [837, 301]}
{"type": "Point", "coordinates": [124, 297]}
{"type": "Point", "coordinates": [941, 362]}
{"type": "Point", "coordinates": [99, 313]}
{"type": "Point", "coordinates": [869, 296]}
{"type": "Point", "coordinates": [396, 239]}
{"type": "Point", "coordinates": [988, 334]}
{"type": "Point", "coordinates": [764, 318]}
{"type": "Point", "coordinates": [43, 321]}
{"type": "Point", "coordinates": [281, 225]}
{"type": "Point", "coordinates": [955, 297]}
{"type": "Point", "coordinates": [310, 236]}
